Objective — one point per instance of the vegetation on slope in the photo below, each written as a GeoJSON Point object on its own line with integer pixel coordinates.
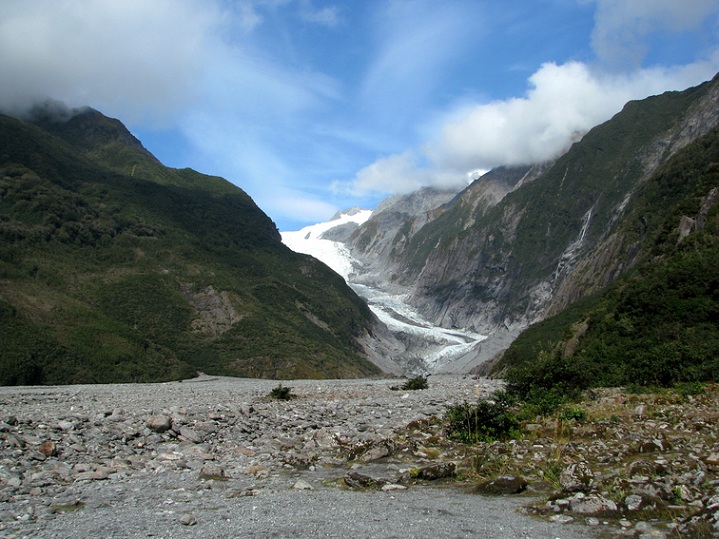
{"type": "Point", "coordinates": [496, 258]}
{"type": "Point", "coordinates": [659, 325]}
{"type": "Point", "coordinates": [115, 268]}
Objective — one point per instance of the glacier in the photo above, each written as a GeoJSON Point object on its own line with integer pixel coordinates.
{"type": "Point", "coordinates": [429, 349]}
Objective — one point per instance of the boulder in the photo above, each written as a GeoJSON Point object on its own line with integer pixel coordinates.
{"type": "Point", "coordinates": [576, 477]}
{"type": "Point", "coordinates": [592, 505]}
{"type": "Point", "coordinates": [212, 470]}
{"type": "Point", "coordinates": [360, 481]}
{"type": "Point", "coordinates": [159, 423]}
{"type": "Point", "coordinates": [441, 470]}
{"type": "Point", "coordinates": [503, 485]}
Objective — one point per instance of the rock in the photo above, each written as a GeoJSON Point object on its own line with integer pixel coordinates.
{"type": "Point", "coordinates": [640, 410]}
{"type": "Point", "coordinates": [188, 520]}
{"type": "Point", "coordinates": [653, 489]}
{"type": "Point", "coordinates": [576, 478]}
{"type": "Point", "coordinates": [190, 435]}
{"type": "Point", "coordinates": [159, 423]}
{"type": "Point", "coordinates": [683, 493]}
{"type": "Point", "coordinates": [633, 502]}
{"type": "Point", "coordinates": [592, 505]}
{"type": "Point", "coordinates": [360, 481]}
{"type": "Point", "coordinates": [48, 449]}
{"type": "Point", "coordinates": [393, 486]}
{"type": "Point", "coordinates": [561, 519]}
{"type": "Point", "coordinates": [712, 461]}
{"type": "Point", "coordinates": [94, 475]}
{"type": "Point", "coordinates": [65, 425]}
{"type": "Point", "coordinates": [302, 485]}
{"type": "Point", "coordinates": [9, 478]}
{"type": "Point", "coordinates": [644, 468]}
{"type": "Point", "coordinates": [441, 470]}
{"type": "Point", "coordinates": [503, 485]}
{"type": "Point", "coordinates": [212, 471]}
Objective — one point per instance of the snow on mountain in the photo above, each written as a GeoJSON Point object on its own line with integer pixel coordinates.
{"type": "Point", "coordinates": [309, 241]}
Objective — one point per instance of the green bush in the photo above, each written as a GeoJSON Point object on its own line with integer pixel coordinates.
{"type": "Point", "coordinates": [690, 389]}
{"type": "Point", "coordinates": [418, 382]}
{"type": "Point", "coordinates": [486, 421]}
{"type": "Point", "coordinates": [573, 413]}
{"type": "Point", "coordinates": [551, 380]}
{"type": "Point", "coordinates": [281, 393]}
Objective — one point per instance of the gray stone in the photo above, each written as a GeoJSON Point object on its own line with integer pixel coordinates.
{"type": "Point", "coordinates": [593, 505]}
{"type": "Point", "coordinates": [190, 435]}
{"type": "Point", "coordinates": [212, 471]}
{"type": "Point", "coordinates": [441, 470]}
{"type": "Point", "coordinates": [576, 477]}
{"type": "Point", "coordinates": [561, 519]}
{"type": "Point", "coordinates": [502, 485]}
{"type": "Point", "coordinates": [360, 481]}
{"type": "Point", "coordinates": [188, 520]}
{"type": "Point", "coordinates": [633, 502]}
{"type": "Point", "coordinates": [159, 423]}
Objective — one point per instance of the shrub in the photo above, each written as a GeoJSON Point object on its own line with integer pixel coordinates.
{"type": "Point", "coordinates": [281, 393]}
{"type": "Point", "coordinates": [486, 421]}
{"type": "Point", "coordinates": [688, 389]}
{"type": "Point", "coordinates": [418, 382]}
{"type": "Point", "coordinates": [573, 413]}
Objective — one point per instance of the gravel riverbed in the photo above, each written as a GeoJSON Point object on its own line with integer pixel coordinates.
{"type": "Point", "coordinates": [215, 457]}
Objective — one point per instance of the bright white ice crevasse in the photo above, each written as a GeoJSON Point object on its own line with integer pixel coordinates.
{"type": "Point", "coordinates": [435, 349]}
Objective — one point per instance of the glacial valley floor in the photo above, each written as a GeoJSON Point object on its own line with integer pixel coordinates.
{"type": "Point", "coordinates": [215, 457]}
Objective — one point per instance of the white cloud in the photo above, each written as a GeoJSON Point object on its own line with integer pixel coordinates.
{"type": "Point", "coordinates": [135, 57]}
{"type": "Point", "coordinates": [562, 103]}
{"type": "Point", "coordinates": [328, 16]}
{"type": "Point", "coordinates": [297, 206]}
{"type": "Point", "coordinates": [399, 173]}
{"type": "Point", "coordinates": [622, 27]}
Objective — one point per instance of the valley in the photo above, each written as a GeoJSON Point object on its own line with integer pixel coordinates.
{"type": "Point", "coordinates": [426, 348]}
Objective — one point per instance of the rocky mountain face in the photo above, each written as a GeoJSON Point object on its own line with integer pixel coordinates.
{"type": "Point", "coordinates": [520, 244]}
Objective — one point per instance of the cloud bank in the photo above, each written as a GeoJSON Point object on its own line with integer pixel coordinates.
{"type": "Point", "coordinates": [315, 105]}
{"type": "Point", "coordinates": [197, 67]}
{"type": "Point", "coordinates": [141, 58]}
{"type": "Point", "coordinates": [562, 103]}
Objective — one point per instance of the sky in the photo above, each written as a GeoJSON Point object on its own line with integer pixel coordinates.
{"type": "Point", "coordinates": [314, 106]}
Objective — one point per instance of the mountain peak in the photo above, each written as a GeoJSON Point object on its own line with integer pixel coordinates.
{"type": "Point", "coordinates": [84, 127]}
{"type": "Point", "coordinates": [351, 212]}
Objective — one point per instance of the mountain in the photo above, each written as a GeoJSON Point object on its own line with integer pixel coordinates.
{"type": "Point", "coordinates": [519, 245]}
{"type": "Point", "coordinates": [115, 268]}
{"type": "Point", "coordinates": [658, 323]}
{"type": "Point", "coordinates": [403, 343]}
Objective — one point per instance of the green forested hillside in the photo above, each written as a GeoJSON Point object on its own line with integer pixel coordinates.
{"type": "Point", "coordinates": [658, 325]}
{"type": "Point", "coordinates": [116, 268]}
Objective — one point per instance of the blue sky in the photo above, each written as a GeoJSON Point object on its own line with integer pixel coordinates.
{"type": "Point", "coordinates": [312, 106]}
